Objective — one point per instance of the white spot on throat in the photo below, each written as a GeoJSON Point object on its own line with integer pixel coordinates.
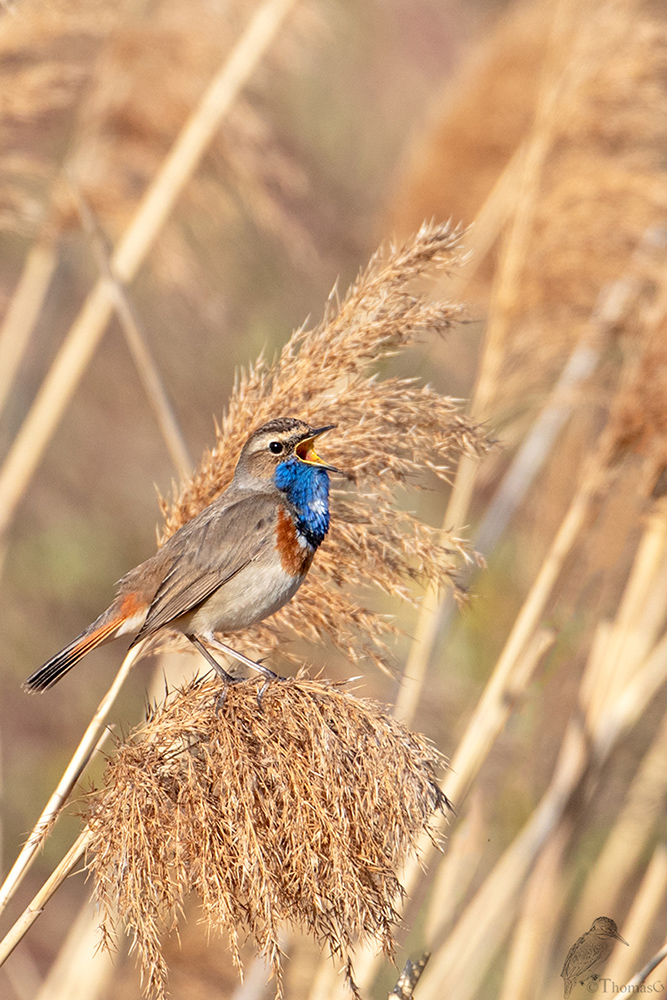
{"type": "Point", "coordinates": [303, 541]}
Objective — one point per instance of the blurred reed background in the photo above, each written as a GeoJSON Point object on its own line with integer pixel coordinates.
{"type": "Point", "coordinates": [545, 124]}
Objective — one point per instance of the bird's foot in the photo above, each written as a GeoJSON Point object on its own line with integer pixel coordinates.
{"type": "Point", "coordinates": [225, 677]}
{"type": "Point", "coordinates": [221, 699]}
{"type": "Point", "coordinates": [270, 676]}
{"type": "Point", "coordinates": [267, 681]}
{"type": "Point", "coordinates": [227, 681]}
{"type": "Point", "coordinates": [257, 665]}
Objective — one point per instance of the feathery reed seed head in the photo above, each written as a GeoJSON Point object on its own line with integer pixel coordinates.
{"type": "Point", "coordinates": [587, 200]}
{"type": "Point", "coordinates": [297, 812]}
{"type": "Point", "coordinates": [390, 432]}
{"type": "Point", "coordinates": [638, 411]}
{"type": "Point", "coordinates": [602, 183]}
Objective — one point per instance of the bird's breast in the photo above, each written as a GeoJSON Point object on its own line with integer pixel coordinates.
{"type": "Point", "coordinates": [295, 551]}
{"type": "Point", "coordinates": [259, 590]}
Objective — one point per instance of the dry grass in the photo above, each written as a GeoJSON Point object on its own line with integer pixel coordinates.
{"type": "Point", "coordinates": [390, 433]}
{"type": "Point", "coordinates": [484, 114]}
{"type": "Point", "coordinates": [563, 759]}
{"type": "Point", "coordinates": [48, 52]}
{"type": "Point", "coordinates": [121, 85]}
{"type": "Point", "coordinates": [638, 417]}
{"type": "Point", "coordinates": [601, 180]}
{"type": "Point", "coordinates": [396, 430]}
{"type": "Point", "coordinates": [601, 192]}
{"type": "Point", "coordinates": [294, 813]}
{"type": "Point", "coordinates": [264, 818]}
{"type": "Point", "coordinates": [152, 73]}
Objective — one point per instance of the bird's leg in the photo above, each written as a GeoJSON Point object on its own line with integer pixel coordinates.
{"type": "Point", "coordinates": [269, 675]}
{"type": "Point", "coordinates": [253, 664]}
{"type": "Point", "coordinates": [220, 670]}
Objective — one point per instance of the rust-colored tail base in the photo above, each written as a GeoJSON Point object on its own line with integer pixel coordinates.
{"type": "Point", "coordinates": [58, 665]}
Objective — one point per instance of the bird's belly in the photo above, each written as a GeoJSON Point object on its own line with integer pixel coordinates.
{"type": "Point", "coordinates": [249, 597]}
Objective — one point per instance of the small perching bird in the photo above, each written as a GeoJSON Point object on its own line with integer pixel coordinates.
{"type": "Point", "coordinates": [237, 562]}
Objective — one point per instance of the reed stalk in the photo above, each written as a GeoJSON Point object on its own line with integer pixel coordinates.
{"type": "Point", "coordinates": [81, 969]}
{"type": "Point", "coordinates": [508, 275]}
{"type": "Point", "coordinates": [642, 916]}
{"type": "Point", "coordinates": [456, 782]}
{"type": "Point", "coordinates": [645, 972]}
{"type": "Point", "coordinates": [522, 173]}
{"type": "Point", "coordinates": [520, 909]}
{"type": "Point", "coordinates": [627, 839]}
{"type": "Point", "coordinates": [133, 247]}
{"type": "Point", "coordinates": [456, 871]}
{"type": "Point", "coordinates": [535, 932]}
{"type": "Point", "coordinates": [136, 342]}
{"type": "Point", "coordinates": [21, 927]}
{"type": "Point", "coordinates": [479, 932]}
{"type": "Point", "coordinates": [24, 309]}
{"type": "Point", "coordinates": [92, 740]}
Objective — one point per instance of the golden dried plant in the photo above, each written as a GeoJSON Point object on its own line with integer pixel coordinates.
{"type": "Point", "coordinates": [119, 86]}
{"type": "Point", "coordinates": [638, 410]}
{"type": "Point", "coordinates": [48, 52]}
{"type": "Point", "coordinates": [297, 811]}
{"type": "Point", "coordinates": [486, 111]}
{"type": "Point", "coordinates": [299, 805]}
{"type": "Point", "coordinates": [602, 180]}
{"type": "Point", "coordinates": [391, 432]}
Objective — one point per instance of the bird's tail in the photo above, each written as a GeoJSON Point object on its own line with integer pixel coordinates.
{"type": "Point", "coordinates": [102, 629]}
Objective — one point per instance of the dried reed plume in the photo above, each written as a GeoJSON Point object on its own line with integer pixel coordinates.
{"type": "Point", "coordinates": [601, 181]}
{"type": "Point", "coordinates": [120, 86]}
{"type": "Point", "coordinates": [638, 410]}
{"type": "Point", "coordinates": [48, 53]}
{"type": "Point", "coordinates": [390, 432]}
{"type": "Point", "coordinates": [298, 811]}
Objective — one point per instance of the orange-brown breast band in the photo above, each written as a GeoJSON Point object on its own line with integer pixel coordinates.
{"type": "Point", "coordinates": [295, 558]}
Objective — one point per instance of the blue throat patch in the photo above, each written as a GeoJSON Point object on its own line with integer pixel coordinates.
{"type": "Point", "coordinates": [307, 490]}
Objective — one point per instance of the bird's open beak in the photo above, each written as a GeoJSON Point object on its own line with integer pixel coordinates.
{"type": "Point", "coordinates": [305, 452]}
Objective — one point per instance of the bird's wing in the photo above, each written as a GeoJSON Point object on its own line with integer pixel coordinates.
{"type": "Point", "coordinates": [207, 552]}
{"type": "Point", "coordinates": [582, 960]}
{"type": "Point", "coordinates": [571, 963]}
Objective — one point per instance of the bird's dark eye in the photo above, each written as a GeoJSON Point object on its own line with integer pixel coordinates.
{"type": "Point", "coordinates": [276, 447]}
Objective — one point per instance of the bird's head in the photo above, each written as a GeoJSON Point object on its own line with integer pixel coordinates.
{"type": "Point", "coordinates": [606, 927]}
{"type": "Point", "coordinates": [279, 444]}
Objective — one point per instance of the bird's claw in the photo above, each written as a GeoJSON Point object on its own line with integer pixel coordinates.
{"type": "Point", "coordinates": [270, 678]}
{"type": "Point", "coordinates": [266, 672]}
{"type": "Point", "coordinates": [227, 681]}
{"type": "Point", "coordinates": [222, 697]}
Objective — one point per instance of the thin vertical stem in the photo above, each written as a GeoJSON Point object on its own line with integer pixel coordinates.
{"type": "Point", "coordinates": [89, 743]}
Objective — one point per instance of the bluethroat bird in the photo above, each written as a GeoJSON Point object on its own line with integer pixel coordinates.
{"type": "Point", "coordinates": [237, 562]}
